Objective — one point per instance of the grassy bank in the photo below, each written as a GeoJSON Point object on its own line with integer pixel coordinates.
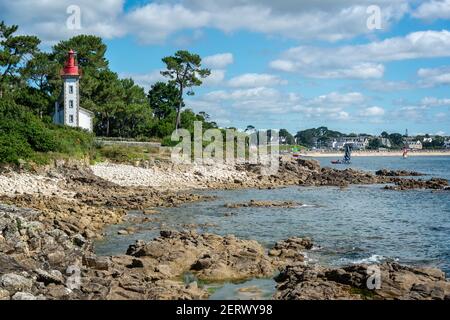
{"type": "Point", "coordinates": [130, 154]}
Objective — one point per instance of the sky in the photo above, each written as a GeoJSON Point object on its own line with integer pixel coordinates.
{"type": "Point", "coordinates": [351, 65]}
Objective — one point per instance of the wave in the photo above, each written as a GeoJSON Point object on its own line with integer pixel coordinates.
{"type": "Point", "coordinates": [373, 259]}
{"type": "Point", "coordinates": [304, 205]}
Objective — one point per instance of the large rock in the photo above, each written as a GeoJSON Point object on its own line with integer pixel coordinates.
{"type": "Point", "coordinates": [398, 173]}
{"type": "Point", "coordinates": [290, 251]}
{"type": "Point", "coordinates": [396, 281]}
{"type": "Point", "coordinates": [209, 256]}
{"type": "Point", "coordinates": [311, 164]}
{"type": "Point", "coordinates": [23, 296]}
{"type": "Point", "coordinates": [15, 282]}
{"type": "Point", "coordinates": [408, 184]}
{"type": "Point", "coordinates": [4, 294]}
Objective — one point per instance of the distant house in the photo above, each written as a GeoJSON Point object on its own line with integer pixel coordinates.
{"type": "Point", "coordinates": [447, 144]}
{"type": "Point", "coordinates": [427, 140]}
{"type": "Point", "coordinates": [413, 144]}
{"type": "Point", "coordinates": [358, 143]}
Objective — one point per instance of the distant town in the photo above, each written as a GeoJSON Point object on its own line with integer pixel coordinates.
{"type": "Point", "coordinates": [324, 139]}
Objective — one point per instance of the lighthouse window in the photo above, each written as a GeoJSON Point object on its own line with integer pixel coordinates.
{"type": "Point", "coordinates": [70, 118]}
{"type": "Point", "coordinates": [70, 103]}
{"type": "Point", "coordinates": [70, 89]}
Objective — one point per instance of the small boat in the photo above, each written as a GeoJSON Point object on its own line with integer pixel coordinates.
{"type": "Point", "coordinates": [347, 155]}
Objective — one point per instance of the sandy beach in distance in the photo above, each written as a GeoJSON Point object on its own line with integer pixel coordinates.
{"type": "Point", "coordinates": [399, 153]}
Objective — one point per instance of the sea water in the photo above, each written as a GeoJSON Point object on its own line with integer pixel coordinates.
{"type": "Point", "coordinates": [361, 223]}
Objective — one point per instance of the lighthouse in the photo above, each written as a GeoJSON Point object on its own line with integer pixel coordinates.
{"type": "Point", "coordinates": [67, 109]}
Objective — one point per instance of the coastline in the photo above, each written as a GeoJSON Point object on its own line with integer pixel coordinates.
{"type": "Point", "coordinates": [52, 218]}
{"type": "Point", "coordinates": [326, 154]}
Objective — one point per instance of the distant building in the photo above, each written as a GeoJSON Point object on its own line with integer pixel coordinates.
{"type": "Point", "coordinates": [358, 143]}
{"type": "Point", "coordinates": [447, 144]}
{"type": "Point", "coordinates": [67, 109]}
{"type": "Point", "coordinates": [413, 144]}
{"type": "Point", "coordinates": [427, 140]}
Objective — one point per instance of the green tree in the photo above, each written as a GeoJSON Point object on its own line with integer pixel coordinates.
{"type": "Point", "coordinates": [13, 53]}
{"type": "Point", "coordinates": [164, 99]}
{"type": "Point", "coordinates": [36, 100]}
{"type": "Point", "coordinates": [396, 140]}
{"type": "Point", "coordinates": [133, 117]}
{"type": "Point", "coordinates": [204, 118]}
{"type": "Point", "coordinates": [107, 98]}
{"type": "Point", "coordinates": [289, 138]}
{"type": "Point", "coordinates": [321, 135]}
{"type": "Point", "coordinates": [437, 143]}
{"type": "Point", "coordinates": [90, 52]}
{"type": "Point", "coordinates": [384, 134]}
{"type": "Point", "coordinates": [184, 70]}
{"type": "Point", "coordinates": [38, 73]}
{"type": "Point", "coordinates": [374, 144]}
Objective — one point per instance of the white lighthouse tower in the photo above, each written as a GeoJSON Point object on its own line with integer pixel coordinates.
{"type": "Point", "coordinates": [67, 109]}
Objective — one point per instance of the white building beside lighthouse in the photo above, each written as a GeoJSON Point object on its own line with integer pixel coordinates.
{"type": "Point", "coordinates": [67, 109]}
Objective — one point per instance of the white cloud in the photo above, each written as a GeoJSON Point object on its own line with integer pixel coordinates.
{"type": "Point", "coordinates": [434, 9]}
{"type": "Point", "coordinates": [218, 61]}
{"type": "Point", "coordinates": [256, 80]}
{"type": "Point", "coordinates": [265, 103]}
{"type": "Point", "coordinates": [336, 98]}
{"type": "Point", "coordinates": [388, 86]}
{"type": "Point", "coordinates": [216, 77]}
{"type": "Point", "coordinates": [321, 19]}
{"type": "Point", "coordinates": [421, 111]}
{"type": "Point", "coordinates": [145, 80]}
{"type": "Point", "coordinates": [243, 95]}
{"type": "Point", "coordinates": [47, 19]}
{"type": "Point", "coordinates": [372, 112]}
{"type": "Point", "coordinates": [154, 22]}
{"type": "Point", "coordinates": [363, 61]}
{"type": "Point", "coordinates": [434, 76]}
{"type": "Point", "coordinates": [435, 102]}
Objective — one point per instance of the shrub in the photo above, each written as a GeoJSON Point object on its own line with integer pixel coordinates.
{"type": "Point", "coordinates": [167, 142]}
{"type": "Point", "coordinates": [13, 147]}
{"type": "Point", "coordinates": [24, 136]}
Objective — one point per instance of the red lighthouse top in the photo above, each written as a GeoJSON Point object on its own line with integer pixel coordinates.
{"type": "Point", "coordinates": [71, 65]}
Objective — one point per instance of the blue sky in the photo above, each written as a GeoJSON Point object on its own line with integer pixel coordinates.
{"type": "Point", "coordinates": [278, 64]}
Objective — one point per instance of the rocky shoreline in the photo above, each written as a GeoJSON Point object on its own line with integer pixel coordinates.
{"type": "Point", "coordinates": [397, 282]}
{"type": "Point", "coordinates": [49, 219]}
